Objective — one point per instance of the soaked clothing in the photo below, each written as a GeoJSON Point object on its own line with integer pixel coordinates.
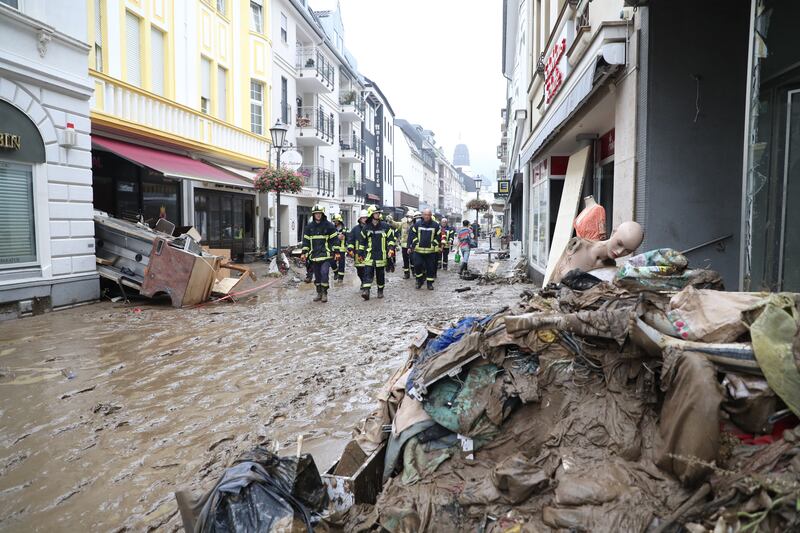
{"type": "Point", "coordinates": [425, 266]}
{"type": "Point", "coordinates": [340, 248]}
{"type": "Point", "coordinates": [424, 239]}
{"type": "Point", "coordinates": [352, 238]}
{"type": "Point", "coordinates": [447, 234]}
{"type": "Point", "coordinates": [319, 238]}
{"type": "Point", "coordinates": [406, 260]}
{"type": "Point", "coordinates": [321, 270]}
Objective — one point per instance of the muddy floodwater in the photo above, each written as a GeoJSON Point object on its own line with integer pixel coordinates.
{"type": "Point", "coordinates": [107, 409]}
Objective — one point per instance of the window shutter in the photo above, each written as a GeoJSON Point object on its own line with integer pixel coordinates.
{"type": "Point", "coordinates": [206, 79]}
{"type": "Point", "coordinates": [134, 49]}
{"type": "Point", "coordinates": [157, 47]}
{"type": "Point", "coordinates": [17, 236]}
{"type": "Point", "coordinates": [98, 22]}
{"type": "Point", "coordinates": [222, 93]}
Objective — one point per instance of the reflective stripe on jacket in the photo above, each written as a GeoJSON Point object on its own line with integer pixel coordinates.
{"type": "Point", "coordinates": [319, 239]}
{"type": "Point", "coordinates": [375, 242]}
{"type": "Point", "coordinates": [352, 242]}
{"type": "Point", "coordinates": [424, 237]}
{"type": "Point", "coordinates": [341, 244]}
{"type": "Point", "coordinates": [447, 235]}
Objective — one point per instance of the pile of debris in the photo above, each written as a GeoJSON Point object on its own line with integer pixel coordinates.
{"type": "Point", "coordinates": [616, 407]}
{"type": "Point", "coordinates": [505, 272]}
{"type": "Point", "coordinates": [154, 261]}
{"type": "Point", "coordinates": [600, 406]}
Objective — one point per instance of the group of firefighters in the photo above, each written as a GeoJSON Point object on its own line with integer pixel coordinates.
{"type": "Point", "coordinates": [372, 243]}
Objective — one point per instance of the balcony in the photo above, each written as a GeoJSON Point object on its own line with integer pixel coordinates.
{"type": "Point", "coordinates": [119, 105]}
{"type": "Point", "coordinates": [351, 150]}
{"type": "Point", "coordinates": [318, 179]}
{"type": "Point", "coordinates": [352, 189]}
{"type": "Point", "coordinates": [314, 127]}
{"type": "Point", "coordinates": [352, 106]}
{"type": "Point", "coordinates": [315, 74]}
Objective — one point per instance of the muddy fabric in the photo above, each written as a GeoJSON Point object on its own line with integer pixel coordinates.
{"type": "Point", "coordinates": [749, 402]}
{"type": "Point", "coordinates": [370, 434]}
{"type": "Point", "coordinates": [421, 460]}
{"type": "Point", "coordinates": [394, 447]}
{"type": "Point", "coordinates": [462, 407]}
{"type": "Point", "coordinates": [610, 324]}
{"type": "Point", "coordinates": [445, 362]}
{"type": "Point", "coordinates": [773, 332]}
{"type": "Point", "coordinates": [689, 424]}
{"type": "Point", "coordinates": [710, 316]}
{"type": "Point", "coordinates": [409, 413]}
{"type": "Point", "coordinates": [510, 482]}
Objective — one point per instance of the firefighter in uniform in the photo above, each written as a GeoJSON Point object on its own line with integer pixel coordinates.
{"type": "Point", "coordinates": [319, 238]}
{"type": "Point", "coordinates": [340, 249]}
{"type": "Point", "coordinates": [402, 233]}
{"type": "Point", "coordinates": [423, 244]}
{"type": "Point", "coordinates": [376, 246]}
{"type": "Point", "coordinates": [352, 242]}
{"type": "Point", "coordinates": [447, 234]}
{"type": "Point", "coordinates": [395, 227]}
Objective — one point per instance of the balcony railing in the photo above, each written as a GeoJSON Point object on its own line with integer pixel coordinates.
{"type": "Point", "coordinates": [315, 118]}
{"type": "Point", "coordinates": [353, 98]}
{"type": "Point", "coordinates": [310, 58]}
{"type": "Point", "coordinates": [352, 187]}
{"type": "Point", "coordinates": [354, 143]}
{"type": "Point", "coordinates": [324, 181]}
{"type": "Point", "coordinates": [150, 112]}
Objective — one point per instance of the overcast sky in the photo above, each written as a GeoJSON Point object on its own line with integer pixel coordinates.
{"type": "Point", "coordinates": [438, 62]}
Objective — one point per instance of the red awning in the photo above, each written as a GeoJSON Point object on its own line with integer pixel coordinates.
{"type": "Point", "coordinates": [170, 164]}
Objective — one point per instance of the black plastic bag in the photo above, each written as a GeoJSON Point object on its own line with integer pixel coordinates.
{"type": "Point", "coordinates": [578, 280]}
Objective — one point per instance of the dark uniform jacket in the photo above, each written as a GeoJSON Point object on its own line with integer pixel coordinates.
{"type": "Point", "coordinates": [375, 242]}
{"type": "Point", "coordinates": [341, 245]}
{"type": "Point", "coordinates": [448, 234]}
{"type": "Point", "coordinates": [424, 237]}
{"type": "Point", "coordinates": [319, 238]}
{"type": "Point", "coordinates": [352, 242]}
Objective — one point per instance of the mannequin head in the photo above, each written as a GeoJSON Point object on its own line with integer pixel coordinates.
{"type": "Point", "coordinates": [624, 240]}
{"type": "Point", "coordinates": [588, 201]}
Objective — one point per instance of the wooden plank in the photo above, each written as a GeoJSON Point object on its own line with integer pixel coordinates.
{"type": "Point", "coordinates": [568, 208]}
{"type": "Point", "coordinates": [225, 254]}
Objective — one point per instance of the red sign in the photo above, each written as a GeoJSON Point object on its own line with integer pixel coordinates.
{"type": "Point", "coordinates": [553, 76]}
{"type": "Point", "coordinates": [607, 145]}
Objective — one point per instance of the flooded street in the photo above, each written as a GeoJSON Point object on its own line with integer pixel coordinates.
{"type": "Point", "coordinates": [108, 409]}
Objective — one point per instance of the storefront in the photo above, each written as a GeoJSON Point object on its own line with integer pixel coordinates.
{"type": "Point", "coordinates": [46, 231]}
{"type": "Point", "coordinates": [771, 195]}
{"type": "Point", "coordinates": [140, 183]}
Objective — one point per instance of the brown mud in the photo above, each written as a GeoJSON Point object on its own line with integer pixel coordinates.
{"type": "Point", "coordinates": [106, 410]}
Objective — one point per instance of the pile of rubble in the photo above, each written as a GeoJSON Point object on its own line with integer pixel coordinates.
{"type": "Point", "coordinates": [158, 261]}
{"type": "Point", "coordinates": [617, 405]}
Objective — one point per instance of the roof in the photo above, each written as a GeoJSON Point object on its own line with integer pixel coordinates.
{"type": "Point", "coordinates": [374, 85]}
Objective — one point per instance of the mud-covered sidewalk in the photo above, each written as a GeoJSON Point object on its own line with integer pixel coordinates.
{"type": "Point", "coordinates": [108, 409]}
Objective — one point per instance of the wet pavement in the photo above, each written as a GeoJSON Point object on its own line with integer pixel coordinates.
{"type": "Point", "coordinates": [107, 409]}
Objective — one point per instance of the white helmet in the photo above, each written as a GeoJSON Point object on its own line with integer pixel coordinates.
{"type": "Point", "coordinates": [363, 214]}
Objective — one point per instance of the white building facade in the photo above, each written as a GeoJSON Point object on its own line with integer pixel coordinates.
{"type": "Point", "coordinates": [46, 229]}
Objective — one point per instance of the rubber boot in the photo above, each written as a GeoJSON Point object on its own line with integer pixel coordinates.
{"type": "Point", "coordinates": [380, 293]}
{"type": "Point", "coordinates": [365, 293]}
{"type": "Point", "coordinates": [324, 294]}
{"type": "Point", "coordinates": [309, 277]}
{"type": "Point", "coordinates": [406, 275]}
{"type": "Point", "coordinates": [420, 282]}
{"type": "Point", "coordinates": [430, 285]}
{"type": "Point", "coordinates": [445, 266]}
{"type": "Point", "coordinates": [318, 297]}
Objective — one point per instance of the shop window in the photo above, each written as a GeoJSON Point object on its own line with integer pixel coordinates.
{"type": "Point", "coordinates": [17, 227]}
{"type": "Point", "coordinates": [225, 220]}
{"type": "Point", "coordinates": [160, 200]}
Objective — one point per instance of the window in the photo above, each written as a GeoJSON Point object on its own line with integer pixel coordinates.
{"type": "Point", "coordinates": [221, 6]}
{"type": "Point", "coordinates": [133, 40]}
{"type": "Point", "coordinates": [257, 107]}
{"type": "Point", "coordinates": [11, 3]}
{"type": "Point", "coordinates": [284, 100]}
{"type": "Point", "coordinates": [17, 231]}
{"type": "Point", "coordinates": [256, 16]}
{"type": "Point", "coordinates": [205, 85]}
{"type": "Point", "coordinates": [98, 35]}
{"type": "Point", "coordinates": [284, 28]}
{"type": "Point", "coordinates": [157, 63]}
{"type": "Point", "coordinates": [222, 93]}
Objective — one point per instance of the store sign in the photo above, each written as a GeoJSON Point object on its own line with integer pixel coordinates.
{"type": "Point", "coordinates": [503, 188]}
{"type": "Point", "coordinates": [9, 141]}
{"type": "Point", "coordinates": [554, 73]}
{"type": "Point", "coordinates": [607, 145]}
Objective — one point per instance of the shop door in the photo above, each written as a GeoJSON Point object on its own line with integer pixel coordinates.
{"type": "Point", "coordinates": [790, 252]}
{"type": "Point", "coordinates": [303, 214]}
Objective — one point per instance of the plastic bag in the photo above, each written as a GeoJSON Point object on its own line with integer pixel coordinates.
{"type": "Point", "coordinates": [457, 258]}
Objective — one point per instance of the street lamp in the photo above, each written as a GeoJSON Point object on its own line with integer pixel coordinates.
{"type": "Point", "coordinates": [478, 181]}
{"type": "Point", "coordinates": [278, 134]}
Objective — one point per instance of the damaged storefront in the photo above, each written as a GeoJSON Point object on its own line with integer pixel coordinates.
{"type": "Point", "coordinates": [134, 182]}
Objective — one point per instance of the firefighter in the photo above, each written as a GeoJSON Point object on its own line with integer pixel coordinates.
{"type": "Point", "coordinates": [376, 246]}
{"type": "Point", "coordinates": [340, 249]}
{"type": "Point", "coordinates": [309, 264]}
{"type": "Point", "coordinates": [352, 242]}
{"type": "Point", "coordinates": [447, 234]}
{"type": "Point", "coordinates": [402, 233]}
{"type": "Point", "coordinates": [319, 238]}
{"type": "Point", "coordinates": [423, 244]}
{"type": "Point", "coordinates": [395, 227]}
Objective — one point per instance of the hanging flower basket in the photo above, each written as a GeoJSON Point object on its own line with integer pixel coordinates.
{"type": "Point", "coordinates": [478, 205]}
{"type": "Point", "coordinates": [273, 179]}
